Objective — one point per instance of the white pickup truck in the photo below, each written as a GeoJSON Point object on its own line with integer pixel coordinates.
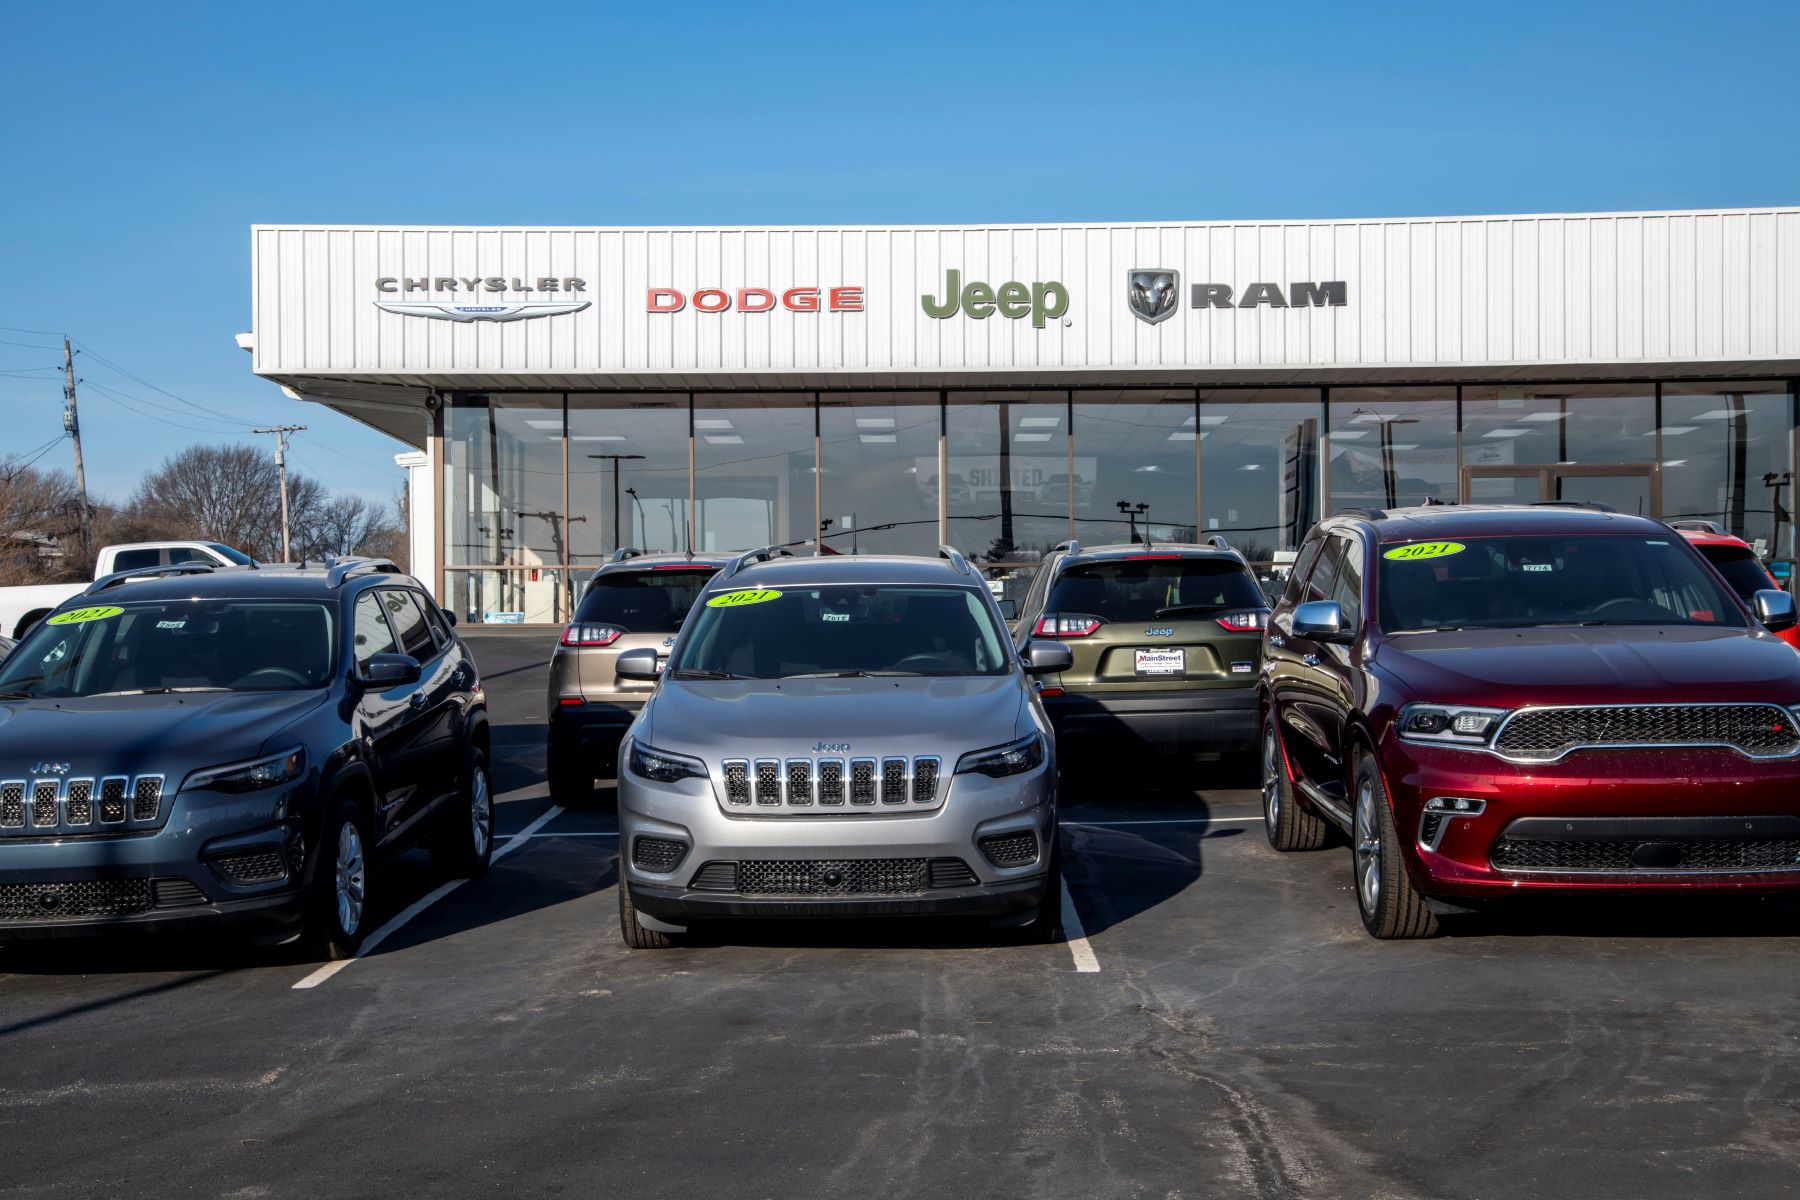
{"type": "Point", "coordinates": [22, 607]}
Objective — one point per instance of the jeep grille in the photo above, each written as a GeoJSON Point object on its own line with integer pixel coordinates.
{"type": "Point", "coordinates": [784, 785]}
{"type": "Point", "coordinates": [44, 807]}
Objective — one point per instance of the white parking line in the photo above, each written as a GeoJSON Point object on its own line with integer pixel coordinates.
{"type": "Point", "coordinates": [1168, 821]}
{"type": "Point", "coordinates": [1075, 935]}
{"type": "Point", "coordinates": [424, 902]}
{"type": "Point", "coordinates": [601, 833]}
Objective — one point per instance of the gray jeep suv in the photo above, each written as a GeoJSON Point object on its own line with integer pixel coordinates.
{"type": "Point", "coordinates": [847, 736]}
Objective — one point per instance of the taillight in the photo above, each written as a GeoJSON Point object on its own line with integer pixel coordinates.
{"type": "Point", "coordinates": [1248, 621]}
{"type": "Point", "coordinates": [583, 634]}
{"type": "Point", "coordinates": [1065, 625]}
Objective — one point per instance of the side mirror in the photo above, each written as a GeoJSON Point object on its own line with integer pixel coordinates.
{"type": "Point", "coordinates": [1320, 621]}
{"type": "Point", "coordinates": [1008, 610]}
{"type": "Point", "coordinates": [1774, 609]}
{"type": "Point", "coordinates": [637, 664]}
{"type": "Point", "coordinates": [384, 671]}
{"type": "Point", "coordinates": [449, 616]}
{"type": "Point", "coordinates": [1047, 658]}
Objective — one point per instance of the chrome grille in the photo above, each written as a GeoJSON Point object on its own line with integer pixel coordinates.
{"type": "Point", "coordinates": [112, 800]}
{"type": "Point", "coordinates": [12, 804]}
{"type": "Point", "coordinates": [1546, 734]}
{"type": "Point", "coordinates": [737, 782]}
{"type": "Point", "coordinates": [925, 779]}
{"type": "Point", "coordinates": [43, 804]}
{"type": "Point", "coordinates": [893, 781]}
{"type": "Point", "coordinates": [832, 877]}
{"type": "Point", "coordinates": [862, 781]}
{"type": "Point", "coordinates": [768, 781]}
{"type": "Point", "coordinates": [146, 797]}
{"type": "Point", "coordinates": [78, 805]}
{"type": "Point", "coordinates": [799, 782]}
{"type": "Point", "coordinates": [831, 781]}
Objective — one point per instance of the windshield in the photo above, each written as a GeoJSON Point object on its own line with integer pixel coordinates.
{"type": "Point", "coordinates": [651, 601]}
{"type": "Point", "coordinates": [229, 554]}
{"type": "Point", "coordinates": [1740, 568]}
{"type": "Point", "coordinates": [1143, 589]}
{"type": "Point", "coordinates": [1510, 582]}
{"type": "Point", "coordinates": [175, 645]}
{"type": "Point", "coordinates": [841, 629]}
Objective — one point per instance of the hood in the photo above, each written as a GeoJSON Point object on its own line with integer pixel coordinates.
{"type": "Point", "coordinates": [127, 735]}
{"type": "Point", "coordinates": [811, 718]}
{"type": "Point", "coordinates": [1612, 664]}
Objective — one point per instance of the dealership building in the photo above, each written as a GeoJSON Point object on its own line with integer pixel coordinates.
{"type": "Point", "coordinates": [568, 391]}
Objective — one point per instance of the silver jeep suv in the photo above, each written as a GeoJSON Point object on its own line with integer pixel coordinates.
{"type": "Point", "coordinates": [847, 736]}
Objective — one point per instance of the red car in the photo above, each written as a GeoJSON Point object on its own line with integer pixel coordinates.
{"type": "Point", "coordinates": [1492, 701]}
{"type": "Point", "coordinates": [1733, 558]}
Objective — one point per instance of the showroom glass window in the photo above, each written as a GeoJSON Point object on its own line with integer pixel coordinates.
{"type": "Point", "coordinates": [1523, 444]}
{"type": "Point", "coordinates": [1134, 448]}
{"type": "Point", "coordinates": [1259, 467]}
{"type": "Point", "coordinates": [1005, 483]}
{"type": "Point", "coordinates": [628, 475]}
{"type": "Point", "coordinates": [1391, 447]}
{"type": "Point", "coordinates": [1727, 456]}
{"type": "Point", "coordinates": [753, 471]}
{"type": "Point", "coordinates": [878, 466]}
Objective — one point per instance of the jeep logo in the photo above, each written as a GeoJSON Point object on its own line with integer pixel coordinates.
{"type": "Point", "coordinates": [1012, 300]}
{"type": "Point", "coordinates": [1160, 631]}
{"type": "Point", "coordinates": [831, 748]}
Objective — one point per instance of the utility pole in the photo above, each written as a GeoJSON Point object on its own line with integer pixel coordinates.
{"type": "Point", "coordinates": [72, 426]}
{"type": "Point", "coordinates": [281, 436]}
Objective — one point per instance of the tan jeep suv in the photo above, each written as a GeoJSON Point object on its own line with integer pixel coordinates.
{"type": "Point", "coordinates": [636, 601]}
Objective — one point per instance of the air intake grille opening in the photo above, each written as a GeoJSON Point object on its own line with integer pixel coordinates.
{"type": "Point", "coordinates": [146, 798]}
{"type": "Point", "coordinates": [112, 800]}
{"type": "Point", "coordinates": [78, 806]}
{"type": "Point", "coordinates": [862, 781]}
{"type": "Point", "coordinates": [43, 804]}
{"type": "Point", "coordinates": [893, 781]}
{"type": "Point", "coordinates": [951, 872]}
{"type": "Point", "coordinates": [176, 893]}
{"type": "Point", "coordinates": [715, 877]}
{"type": "Point", "coordinates": [737, 782]}
{"type": "Point", "coordinates": [83, 898]}
{"type": "Point", "coordinates": [799, 782]}
{"type": "Point", "coordinates": [259, 866]}
{"type": "Point", "coordinates": [833, 877]}
{"type": "Point", "coordinates": [831, 781]}
{"type": "Point", "coordinates": [768, 781]}
{"type": "Point", "coordinates": [1625, 856]}
{"type": "Point", "coordinates": [925, 780]}
{"type": "Point", "coordinates": [657, 854]}
{"type": "Point", "coordinates": [12, 804]}
{"type": "Point", "coordinates": [1757, 730]}
{"type": "Point", "coordinates": [1011, 849]}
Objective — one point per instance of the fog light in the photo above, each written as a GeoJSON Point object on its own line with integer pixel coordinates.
{"type": "Point", "coordinates": [1438, 814]}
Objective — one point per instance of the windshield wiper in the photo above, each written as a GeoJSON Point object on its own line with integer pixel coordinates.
{"type": "Point", "coordinates": [698, 673]}
{"type": "Point", "coordinates": [157, 691]}
{"type": "Point", "coordinates": [856, 675]}
{"type": "Point", "coordinates": [16, 696]}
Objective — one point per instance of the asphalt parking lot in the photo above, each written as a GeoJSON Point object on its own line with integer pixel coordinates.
{"type": "Point", "coordinates": [1226, 1028]}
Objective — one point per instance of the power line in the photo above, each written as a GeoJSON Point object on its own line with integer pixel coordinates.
{"type": "Point", "coordinates": [236, 425]}
{"type": "Point", "coordinates": [113, 397]}
{"type": "Point", "coordinates": [138, 379]}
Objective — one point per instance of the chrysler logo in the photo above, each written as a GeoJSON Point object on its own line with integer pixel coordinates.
{"type": "Point", "coordinates": [444, 310]}
{"type": "Point", "coordinates": [1151, 292]}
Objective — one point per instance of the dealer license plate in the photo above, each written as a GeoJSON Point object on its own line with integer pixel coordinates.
{"type": "Point", "coordinates": [1161, 662]}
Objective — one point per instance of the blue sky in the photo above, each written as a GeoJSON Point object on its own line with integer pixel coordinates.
{"type": "Point", "coordinates": [140, 143]}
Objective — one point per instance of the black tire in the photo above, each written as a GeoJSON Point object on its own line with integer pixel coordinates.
{"type": "Point", "coordinates": [1391, 908]}
{"type": "Point", "coordinates": [635, 935]}
{"type": "Point", "coordinates": [464, 846]}
{"type": "Point", "coordinates": [1288, 826]}
{"type": "Point", "coordinates": [571, 784]}
{"type": "Point", "coordinates": [325, 935]}
{"type": "Point", "coordinates": [1047, 926]}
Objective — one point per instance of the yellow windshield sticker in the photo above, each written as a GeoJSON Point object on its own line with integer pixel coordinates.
{"type": "Point", "coordinates": [1424, 550]}
{"type": "Point", "coordinates": [81, 616]}
{"type": "Point", "coordinates": [740, 598]}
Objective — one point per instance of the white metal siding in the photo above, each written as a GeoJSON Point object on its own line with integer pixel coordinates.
{"type": "Point", "coordinates": [1629, 287]}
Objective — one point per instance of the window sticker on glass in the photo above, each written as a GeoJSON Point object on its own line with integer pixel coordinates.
{"type": "Point", "coordinates": [834, 616]}
{"type": "Point", "coordinates": [1420, 550]}
{"type": "Point", "coordinates": [742, 597]}
{"type": "Point", "coordinates": [181, 624]}
{"type": "Point", "coordinates": [1536, 567]}
{"type": "Point", "coordinates": [81, 616]}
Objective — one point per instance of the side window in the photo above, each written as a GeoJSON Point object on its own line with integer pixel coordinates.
{"type": "Point", "coordinates": [371, 635]}
{"type": "Point", "coordinates": [409, 623]}
{"type": "Point", "coordinates": [1034, 599]}
{"type": "Point", "coordinates": [1324, 577]}
{"type": "Point", "coordinates": [1348, 592]}
{"type": "Point", "coordinates": [1303, 562]}
{"type": "Point", "coordinates": [439, 630]}
{"type": "Point", "coordinates": [137, 560]}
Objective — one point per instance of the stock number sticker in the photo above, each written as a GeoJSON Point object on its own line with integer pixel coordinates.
{"type": "Point", "coordinates": [1424, 550]}
{"type": "Point", "coordinates": [740, 598]}
{"type": "Point", "coordinates": [81, 616]}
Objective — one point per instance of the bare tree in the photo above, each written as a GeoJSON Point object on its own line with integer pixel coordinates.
{"type": "Point", "coordinates": [40, 523]}
{"type": "Point", "coordinates": [343, 525]}
{"type": "Point", "coordinates": [228, 494]}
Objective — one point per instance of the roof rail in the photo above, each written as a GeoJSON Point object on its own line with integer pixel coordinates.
{"type": "Point", "coordinates": [340, 567]}
{"type": "Point", "coordinates": [625, 552]}
{"type": "Point", "coordinates": [754, 556]}
{"type": "Point", "coordinates": [1070, 547]}
{"type": "Point", "coordinates": [1695, 525]}
{"type": "Point", "coordinates": [118, 577]}
{"type": "Point", "coordinates": [1216, 541]}
{"type": "Point", "coordinates": [958, 563]}
{"type": "Point", "coordinates": [1594, 505]}
{"type": "Point", "coordinates": [1373, 514]}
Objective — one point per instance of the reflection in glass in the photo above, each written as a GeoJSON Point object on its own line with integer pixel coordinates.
{"type": "Point", "coordinates": [1139, 455]}
{"type": "Point", "coordinates": [1008, 474]}
{"type": "Point", "coordinates": [753, 471]}
{"type": "Point", "coordinates": [503, 464]}
{"type": "Point", "coordinates": [1726, 457]}
{"type": "Point", "coordinates": [521, 596]}
{"type": "Point", "coordinates": [1553, 424]}
{"type": "Point", "coordinates": [1392, 447]}
{"type": "Point", "coordinates": [878, 457]}
{"type": "Point", "coordinates": [628, 474]}
{"type": "Point", "coordinates": [1259, 467]}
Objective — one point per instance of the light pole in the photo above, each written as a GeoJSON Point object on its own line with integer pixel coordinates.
{"type": "Point", "coordinates": [615, 460]}
{"type": "Point", "coordinates": [643, 521]}
{"type": "Point", "coordinates": [1132, 514]}
{"type": "Point", "coordinates": [1389, 486]}
{"type": "Point", "coordinates": [1775, 482]}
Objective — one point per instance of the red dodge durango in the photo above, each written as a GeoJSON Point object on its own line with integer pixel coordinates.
{"type": "Point", "coordinates": [1497, 700]}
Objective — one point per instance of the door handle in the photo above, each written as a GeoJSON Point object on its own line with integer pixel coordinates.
{"type": "Point", "coordinates": [1311, 660]}
{"type": "Point", "coordinates": [1277, 641]}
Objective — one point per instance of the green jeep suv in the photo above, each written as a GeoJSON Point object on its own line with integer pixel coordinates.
{"type": "Point", "coordinates": [1166, 640]}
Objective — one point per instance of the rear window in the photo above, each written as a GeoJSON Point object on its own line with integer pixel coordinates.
{"type": "Point", "coordinates": [654, 600]}
{"type": "Point", "coordinates": [1740, 568]}
{"type": "Point", "coordinates": [1144, 589]}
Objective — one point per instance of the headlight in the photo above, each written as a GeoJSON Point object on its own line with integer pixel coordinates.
{"type": "Point", "coordinates": [1449, 724]}
{"type": "Point", "coordinates": [252, 776]}
{"type": "Point", "coordinates": [1000, 761]}
{"type": "Point", "coordinates": [663, 768]}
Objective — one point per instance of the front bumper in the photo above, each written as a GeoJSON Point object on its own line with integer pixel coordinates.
{"type": "Point", "coordinates": [1630, 819]}
{"type": "Point", "coordinates": [976, 808]}
{"type": "Point", "coordinates": [590, 733]}
{"type": "Point", "coordinates": [1202, 721]}
{"type": "Point", "coordinates": [177, 877]}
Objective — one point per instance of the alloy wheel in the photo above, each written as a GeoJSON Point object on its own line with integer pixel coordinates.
{"type": "Point", "coordinates": [1368, 848]}
{"type": "Point", "coordinates": [1271, 788]}
{"type": "Point", "coordinates": [351, 878]}
{"type": "Point", "coordinates": [481, 812]}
